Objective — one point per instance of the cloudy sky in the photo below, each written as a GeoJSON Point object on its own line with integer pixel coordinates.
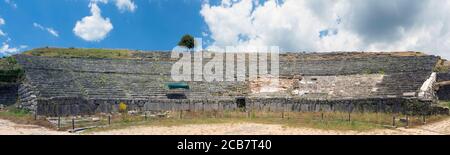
{"type": "Point", "coordinates": [293, 25]}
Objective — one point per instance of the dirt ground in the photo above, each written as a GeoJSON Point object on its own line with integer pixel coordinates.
{"type": "Point", "coordinates": [10, 128]}
{"type": "Point", "coordinates": [438, 128]}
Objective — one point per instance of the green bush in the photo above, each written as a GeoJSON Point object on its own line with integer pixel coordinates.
{"type": "Point", "coordinates": [122, 107]}
{"type": "Point", "coordinates": [366, 71]}
{"type": "Point", "coordinates": [11, 60]}
{"type": "Point", "coordinates": [382, 72]}
{"type": "Point", "coordinates": [187, 41]}
{"type": "Point", "coordinates": [10, 71]}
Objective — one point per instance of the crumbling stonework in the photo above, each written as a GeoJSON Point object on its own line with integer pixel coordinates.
{"type": "Point", "coordinates": [331, 82]}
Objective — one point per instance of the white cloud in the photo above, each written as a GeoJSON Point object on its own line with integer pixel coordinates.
{"type": "Point", "coordinates": [126, 5]}
{"type": "Point", "coordinates": [2, 22]}
{"type": "Point", "coordinates": [122, 5]}
{"type": "Point", "coordinates": [6, 50]}
{"type": "Point", "coordinates": [295, 25]}
{"type": "Point", "coordinates": [49, 30]}
{"type": "Point", "coordinates": [11, 3]}
{"type": "Point", "coordinates": [94, 27]}
{"type": "Point", "coordinates": [99, 1]}
{"type": "Point", "coordinates": [23, 46]}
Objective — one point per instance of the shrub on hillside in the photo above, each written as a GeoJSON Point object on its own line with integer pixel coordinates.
{"type": "Point", "coordinates": [122, 107]}
{"type": "Point", "coordinates": [187, 41]}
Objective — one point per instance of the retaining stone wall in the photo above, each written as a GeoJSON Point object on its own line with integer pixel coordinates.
{"type": "Point", "coordinates": [79, 106]}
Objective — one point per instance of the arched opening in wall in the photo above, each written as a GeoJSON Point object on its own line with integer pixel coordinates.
{"type": "Point", "coordinates": [240, 102]}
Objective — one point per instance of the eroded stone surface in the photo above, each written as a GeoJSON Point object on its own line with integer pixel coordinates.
{"type": "Point", "coordinates": [334, 82]}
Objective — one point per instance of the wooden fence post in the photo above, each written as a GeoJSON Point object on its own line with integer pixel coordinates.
{"type": "Point", "coordinates": [424, 119]}
{"type": "Point", "coordinates": [393, 121]}
{"type": "Point", "coordinates": [109, 119]}
{"type": "Point", "coordinates": [288, 115]}
{"type": "Point", "coordinates": [407, 121]}
{"type": "Point", "coordinates": [349, 116]}
{"type": "Point", "coordinates": [73, 123]}
{"type": "Point", "coordinates": [59, 122]}
{"type": "Point", "coordinates": [181, 114]}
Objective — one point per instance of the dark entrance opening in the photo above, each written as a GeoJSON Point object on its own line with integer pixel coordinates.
{"type": "Point", "coordinates": [177, 90]}
{"type": "Point", "coordinates": [176, 96]}
{"type": "Point", "coordinates": [444, 92]}
{"type": "Point", "coordinates": [240, 102]}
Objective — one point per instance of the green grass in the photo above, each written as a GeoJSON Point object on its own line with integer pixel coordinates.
{"type": "Point", "coordinates": [330, 121]}
{"type": "Point", "coordinates": [21, 116]}
{"type": "Point", "coordinates": [14, 112]}
{"type": "Point", "coordinates": [445, 103]}
{"type": "Point", "coordinates": [80, 53]}
{"type": "Point", "coordinates": [15, 115]}
{"type": "Point", "coordinates": [325, 121]}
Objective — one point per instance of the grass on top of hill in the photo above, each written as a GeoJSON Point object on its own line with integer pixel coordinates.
{"type": "Point", "coordinates": [80, 53]}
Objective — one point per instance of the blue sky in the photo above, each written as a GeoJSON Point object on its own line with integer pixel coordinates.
{"type": "Point", "coordinates": [154, 25]}
{"type": "Point", "coordinates": [293, 25]}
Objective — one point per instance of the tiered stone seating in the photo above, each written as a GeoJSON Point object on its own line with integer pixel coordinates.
{"type": "Point", "coordinates": [385, 65]}
{"type": "Point", "coordinates": [113, 78]}
{"type": "Point", "coordinates": [399, 83]}
{"type": "Point", "coordinates": [145, 79]}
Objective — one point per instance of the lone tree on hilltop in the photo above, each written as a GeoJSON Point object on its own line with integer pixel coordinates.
{"type": "Point", "coordinates": [187, 41]}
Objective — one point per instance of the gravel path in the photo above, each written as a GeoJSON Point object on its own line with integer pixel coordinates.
{"type": "Point", "coordinates": [255, 129]}
{"type": "Point", "coordinates": [10, 128]}
{"type": "Point", "coordinates": [438, 128]}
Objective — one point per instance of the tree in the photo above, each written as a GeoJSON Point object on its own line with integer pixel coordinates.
{"type": "Point", "coordinates": [187, 41]}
